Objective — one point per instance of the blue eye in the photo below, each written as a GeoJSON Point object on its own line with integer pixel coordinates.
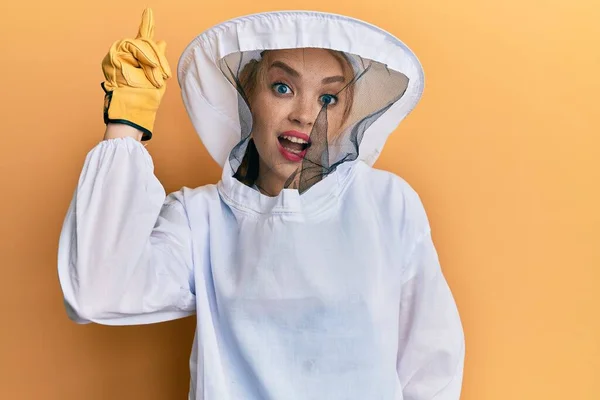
{"type": "Point", "coordinates": [281, 88]}
{"type": "Point", "coordinates": [328, 99]}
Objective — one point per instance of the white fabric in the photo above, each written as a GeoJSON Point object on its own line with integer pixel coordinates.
{"type": "Point", "coordinates": [333, 294]}
{"type": "Point", "coordinates": [212, 102]}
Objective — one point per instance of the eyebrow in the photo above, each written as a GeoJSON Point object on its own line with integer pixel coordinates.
{"type": "Point", "coordinates": [292, 72]}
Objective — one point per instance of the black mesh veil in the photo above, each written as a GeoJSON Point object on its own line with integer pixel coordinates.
{"type": "Point", "coordinates": [369, 90]}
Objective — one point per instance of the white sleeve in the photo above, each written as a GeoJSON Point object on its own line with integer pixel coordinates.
{"type": "Point", "coordinates": [431, 339]}
{"type": "Point", "coordinates": [125, 253]}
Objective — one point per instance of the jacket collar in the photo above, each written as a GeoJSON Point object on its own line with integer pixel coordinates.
{"type": "Point", "coordinates": [320, 198]}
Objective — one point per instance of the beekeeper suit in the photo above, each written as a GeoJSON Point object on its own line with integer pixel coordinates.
{"type": "Point", "coordinates": [329, 289]}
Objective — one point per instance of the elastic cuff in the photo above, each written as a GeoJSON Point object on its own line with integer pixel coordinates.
{"type": "Point", "coordinates": [146, 134]}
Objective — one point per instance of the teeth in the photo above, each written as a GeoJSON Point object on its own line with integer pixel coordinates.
{"type": "Point", "coordinates": [295, 139]}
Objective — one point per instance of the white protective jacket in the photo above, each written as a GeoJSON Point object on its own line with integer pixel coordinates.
{"type": "Point", "coordinates": [333, 294]}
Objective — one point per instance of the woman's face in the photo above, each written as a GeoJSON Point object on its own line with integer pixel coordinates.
{"type": "Point", "coordinates": [292, 89]}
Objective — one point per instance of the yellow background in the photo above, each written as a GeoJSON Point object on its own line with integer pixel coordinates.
{"type": "Point", "coordinates": [503, 149]}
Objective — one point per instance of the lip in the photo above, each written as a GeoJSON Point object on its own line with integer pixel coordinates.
{"type": "Point", "coordinates": [288, 155]}
{"type": "Point", "coordinates": [298, 135]}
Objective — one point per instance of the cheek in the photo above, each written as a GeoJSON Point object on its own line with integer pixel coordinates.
{"type": "Point", "coordinates": [258, 117]}
{"type": "Point", "coordinates": [335, 121]}
{"type": "Point", "coordinates": [262, 124]}
{"type": "Point", "coordinates": [267, 115]}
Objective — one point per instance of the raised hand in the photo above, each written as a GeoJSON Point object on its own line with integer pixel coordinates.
{"type": "Point", "coordinates": [136, 71]}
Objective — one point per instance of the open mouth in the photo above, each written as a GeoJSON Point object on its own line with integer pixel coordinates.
{"type": "Point", "coordinates": [293, 145]}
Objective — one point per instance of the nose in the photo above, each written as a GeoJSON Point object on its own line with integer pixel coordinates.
{"type": "Point", "coordinates": [304, 112]}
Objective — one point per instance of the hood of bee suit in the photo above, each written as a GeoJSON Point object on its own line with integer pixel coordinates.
{"type": "Point", "coordinates": [388, 81]}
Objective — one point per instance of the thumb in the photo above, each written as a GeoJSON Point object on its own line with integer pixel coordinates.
{"type": "Point", "coordinates": [162, 47]}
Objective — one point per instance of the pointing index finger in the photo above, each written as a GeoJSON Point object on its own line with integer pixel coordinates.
{"type": "Point", "coordinates": [146, 30]}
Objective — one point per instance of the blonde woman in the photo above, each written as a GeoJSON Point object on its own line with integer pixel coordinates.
{"type": "Point", "coordinates": [312, 274]}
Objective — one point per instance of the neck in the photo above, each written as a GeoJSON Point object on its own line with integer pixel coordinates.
{"type": "Point", "coordinates": [268, 182]}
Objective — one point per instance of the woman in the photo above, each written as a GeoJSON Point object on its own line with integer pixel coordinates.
{"type": "Point", "coordinates": [312, 275]}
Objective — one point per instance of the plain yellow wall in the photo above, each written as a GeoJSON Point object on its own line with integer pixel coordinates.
{"type": "Point", "coordinates": [504, 150]}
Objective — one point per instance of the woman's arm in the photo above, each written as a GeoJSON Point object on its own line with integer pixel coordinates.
{"type": "Point", "coordinates": [125, 252]}
{"type": "Point", "coordinates": [114, 131]}
{"type": "Point", "coordinates": [431, 341]}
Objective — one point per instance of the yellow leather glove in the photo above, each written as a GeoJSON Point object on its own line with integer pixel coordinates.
{"type": "Point", "coordinates": [136, 71]}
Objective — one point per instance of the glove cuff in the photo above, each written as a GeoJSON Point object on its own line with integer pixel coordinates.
{"type": "Point", "coordinates": [135, 107]}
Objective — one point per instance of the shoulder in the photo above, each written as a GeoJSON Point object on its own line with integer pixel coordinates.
{"type": "Point", "coordinates": [393, 198]}
{"type": "Point", "coordinates": [188, 196]}
{"type": "Point", "coordinates": [387, 187]}
{"type": "Point", "coordinates": [192, 202]}
{"type": "Point", "coordinates": [382, 180]}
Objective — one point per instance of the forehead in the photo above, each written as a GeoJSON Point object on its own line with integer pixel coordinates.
{"type": "Point", "coordinates": [305, 59]}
